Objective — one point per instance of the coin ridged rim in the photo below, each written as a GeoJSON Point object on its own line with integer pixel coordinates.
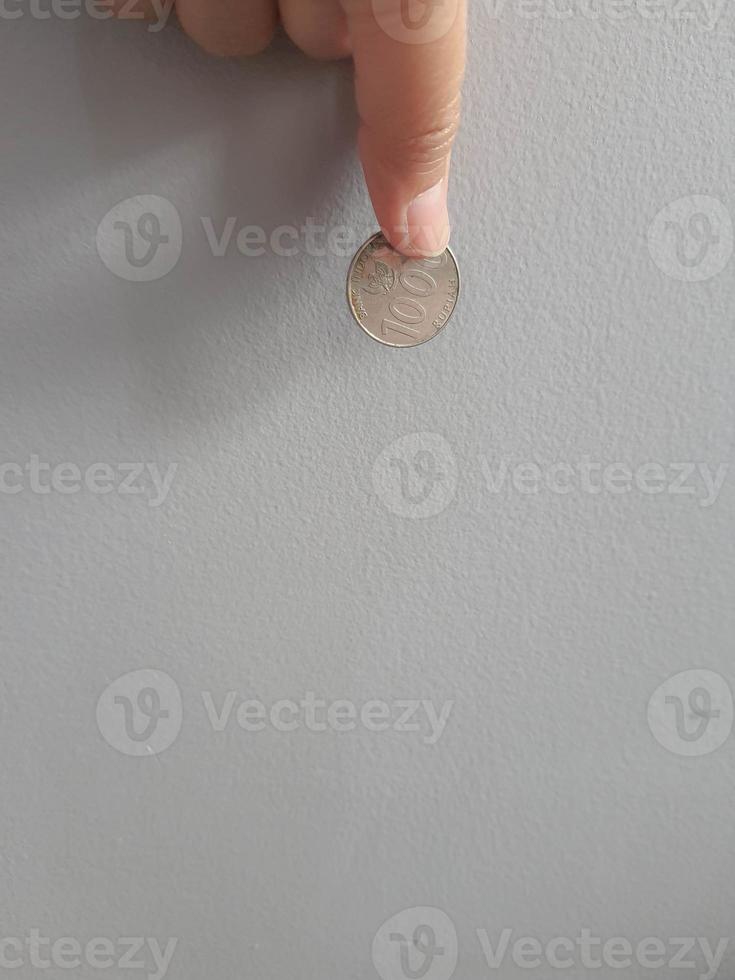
{"type": "Point", "coordinates": [387, 343]}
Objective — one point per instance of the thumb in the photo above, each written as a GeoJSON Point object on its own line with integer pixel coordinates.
{"type": "Point", "coordinates": [409, 61]}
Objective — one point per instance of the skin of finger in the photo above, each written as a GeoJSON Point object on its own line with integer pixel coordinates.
{"type": "Point", "coordinates": [318, 27]}
{"type": "Point", "coordinates": [229, 28]}
{"type": "Point", "coordinates": [408, 98]}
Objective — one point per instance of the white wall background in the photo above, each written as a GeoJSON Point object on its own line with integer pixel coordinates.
{"type": "Point", "coordinates": [281, 562]}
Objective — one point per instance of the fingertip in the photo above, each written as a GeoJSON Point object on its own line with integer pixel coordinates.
{"type": "Point", "coordinates": [415, 224]}
{"type": "Point", "coordinates": [428, 245]}
{"type": "Point", "coordinates": [427, 221]}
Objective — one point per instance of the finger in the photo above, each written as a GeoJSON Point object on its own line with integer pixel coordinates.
{"type": "Point", "coordinates": [229, 28]}
{"type": "Point", "coordinates": [318, 27]}
{"type": "Point", "coordinates": [409, 61]}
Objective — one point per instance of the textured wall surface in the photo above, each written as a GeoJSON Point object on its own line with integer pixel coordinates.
{"type": "Point", "coordinates": [516, 533]}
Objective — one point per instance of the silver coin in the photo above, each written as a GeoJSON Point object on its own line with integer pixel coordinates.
{"type": "Point", "coordinates": [400, 301]}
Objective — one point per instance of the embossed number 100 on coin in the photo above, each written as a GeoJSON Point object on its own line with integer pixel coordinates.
{"type": "Point", "coordinates": [400, 301]}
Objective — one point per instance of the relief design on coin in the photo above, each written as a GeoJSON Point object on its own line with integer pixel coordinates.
{"type": "Point", "coordinates": [400, 301]}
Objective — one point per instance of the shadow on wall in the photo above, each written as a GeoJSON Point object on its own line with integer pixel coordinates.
{"type": "Point", "coordinates": [269, 141]}
{"type": "Point", "coordinates": [285, 123]}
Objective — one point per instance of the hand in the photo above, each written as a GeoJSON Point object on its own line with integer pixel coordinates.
{"type": "Point", "coordinates": [409, 61]}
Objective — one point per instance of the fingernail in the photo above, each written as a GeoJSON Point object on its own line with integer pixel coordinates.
{"type": "Point", "coordinates": [427, 220]}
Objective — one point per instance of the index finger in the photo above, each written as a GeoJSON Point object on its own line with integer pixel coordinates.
{"type": "Point", "coordinates": [409, 61]}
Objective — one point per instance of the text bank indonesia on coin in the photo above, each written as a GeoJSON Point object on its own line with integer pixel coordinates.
{"type": "Point", "coordinates": [398, 301]}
